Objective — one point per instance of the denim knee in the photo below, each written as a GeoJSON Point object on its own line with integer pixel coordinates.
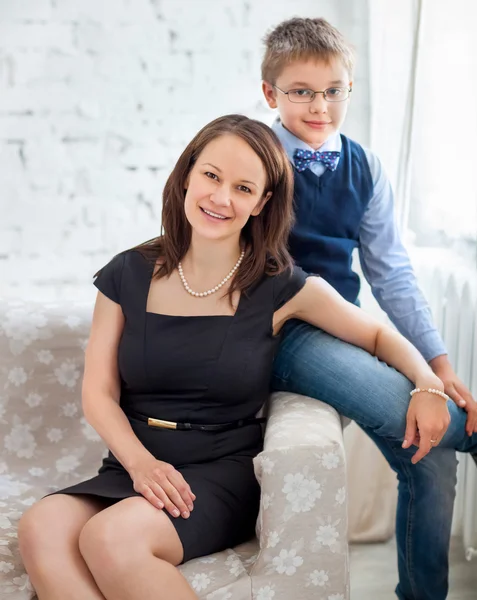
{"type": "Point", "coordinates": [355, 383]}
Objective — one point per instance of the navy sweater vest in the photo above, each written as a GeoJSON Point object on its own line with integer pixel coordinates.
{"type": "Point", "coordinates": [328, 213]}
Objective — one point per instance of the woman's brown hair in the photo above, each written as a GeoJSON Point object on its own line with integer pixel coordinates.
{"type": "Point", "coordinates": [264, 237]}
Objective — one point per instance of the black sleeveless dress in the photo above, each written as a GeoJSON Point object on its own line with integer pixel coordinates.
{"type": "Point", "coordinates": [200, 369]}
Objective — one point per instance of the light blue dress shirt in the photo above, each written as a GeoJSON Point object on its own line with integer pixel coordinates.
{"type": "Point", "coordinates": [384, 260]}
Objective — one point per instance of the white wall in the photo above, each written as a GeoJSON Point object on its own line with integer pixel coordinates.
{"type": "Point", "coordinates": [97, 100]}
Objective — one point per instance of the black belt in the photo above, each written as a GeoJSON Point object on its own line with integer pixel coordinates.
{"type": "Point", "coordinates": [194, 426]}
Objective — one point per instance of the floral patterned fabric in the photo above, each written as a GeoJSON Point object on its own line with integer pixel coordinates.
{"type": "Point", "coordinates": [301, 547]}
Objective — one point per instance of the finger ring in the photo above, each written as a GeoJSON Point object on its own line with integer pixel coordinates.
{"type": "Point", "coordinates": [433, 441]}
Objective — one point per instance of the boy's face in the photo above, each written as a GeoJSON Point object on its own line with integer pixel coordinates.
{"type": "Point", "coordinates": [316, 121]}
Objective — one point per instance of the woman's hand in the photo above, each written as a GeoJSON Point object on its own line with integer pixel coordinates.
{"type": "Point", "coordinates": [163, 486]}
{"type": "Point", "coordinates": [427, 419]}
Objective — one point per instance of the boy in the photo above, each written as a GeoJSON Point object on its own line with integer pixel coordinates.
{"type": "Point", "coordinates": [344, 201]}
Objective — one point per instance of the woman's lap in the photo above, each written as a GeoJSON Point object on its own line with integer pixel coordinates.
{"type": "Point", "coordinates": [225, 509]}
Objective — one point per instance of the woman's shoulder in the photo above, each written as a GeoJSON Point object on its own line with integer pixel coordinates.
{"type": "Point", "coordinates": [282, 285]}
{"type": "Point", "coordinates": [287, 284]}
{"type": "Point", "coordinates": [110, 279]}
{"type": "Point", "coordinates": [127, 258]}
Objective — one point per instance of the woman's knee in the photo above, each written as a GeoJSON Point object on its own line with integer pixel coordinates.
{"type": "Point", "coordinates": [50, 526]}
{"type": "Point", "coordinates": [126, 531]}
{"type": "Point", "coordinates": [32, 530]}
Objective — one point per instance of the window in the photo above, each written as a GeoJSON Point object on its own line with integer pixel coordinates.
{"type": "Point", "coordinates": [443, 176]}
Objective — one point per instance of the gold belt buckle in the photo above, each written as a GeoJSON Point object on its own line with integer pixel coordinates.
{"type": "Point", "coordinates": [160, 423]}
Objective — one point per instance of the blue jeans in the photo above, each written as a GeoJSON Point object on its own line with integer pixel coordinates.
{"type": "Point", "coordinates": [376, 396]}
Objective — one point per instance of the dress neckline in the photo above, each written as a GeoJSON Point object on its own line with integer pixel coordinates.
{"type": "Point", "coordinates": [167, 316]}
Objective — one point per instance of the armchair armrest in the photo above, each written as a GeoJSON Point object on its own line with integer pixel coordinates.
{"type": "Point", "coordinates": [302, 525]}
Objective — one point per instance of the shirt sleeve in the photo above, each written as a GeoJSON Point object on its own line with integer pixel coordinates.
{"type": "Point", "coordinates": [286, 285]}
{"type": "Point", "coordinates": [108, 280]}
{"type": "Point", "coordinates": [388, 270]}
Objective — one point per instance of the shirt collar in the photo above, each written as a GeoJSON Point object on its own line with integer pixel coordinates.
{"type": "Point", "coordinates": [290, 142]}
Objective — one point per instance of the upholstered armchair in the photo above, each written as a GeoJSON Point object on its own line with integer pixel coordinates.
{"type": "Point", "coordinates": [301, 549]}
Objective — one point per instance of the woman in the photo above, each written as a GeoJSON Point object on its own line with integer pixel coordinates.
{"type": "Point", "coordinates": [183, 335]}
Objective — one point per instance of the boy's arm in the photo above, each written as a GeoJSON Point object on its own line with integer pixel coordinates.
{"type": "Point", "coordinates": [387, 268]}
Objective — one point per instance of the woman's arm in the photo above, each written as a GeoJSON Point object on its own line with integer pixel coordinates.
{"type": "Point", "coordinates": [101, 384]}
{"type": "Point", "coordinates": [158, 482]}
{"type": "Point", "coordinates": [321, 305]}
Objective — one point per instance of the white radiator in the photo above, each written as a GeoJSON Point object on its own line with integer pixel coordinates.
{"type": "Point", "coordinates": [452, 294]}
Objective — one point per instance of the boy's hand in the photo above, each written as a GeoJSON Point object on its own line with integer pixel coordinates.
{"type": "Point", "coordinates": [426, 423]}
{"type": "Point", "coordinates": [456, 390]}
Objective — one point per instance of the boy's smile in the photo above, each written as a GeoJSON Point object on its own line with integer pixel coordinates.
{"type": "Point", "coordinates": [312, 122]}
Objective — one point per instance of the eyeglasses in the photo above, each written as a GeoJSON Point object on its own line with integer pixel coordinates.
{"type": "Point", "coordinates": [332, 94]}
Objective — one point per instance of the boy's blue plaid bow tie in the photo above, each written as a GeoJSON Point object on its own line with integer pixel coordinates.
{"type": "Point", "coordinates": [304, 158]}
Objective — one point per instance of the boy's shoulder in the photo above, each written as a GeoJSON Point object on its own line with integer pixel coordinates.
{"type": "Point", "coordinates": [352, 143]}
{"type": "Point", "coordinates": [372, 159]}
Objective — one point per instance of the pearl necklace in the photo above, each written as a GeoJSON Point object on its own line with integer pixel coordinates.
{"type": "Point", "coordinates": [214, 289]}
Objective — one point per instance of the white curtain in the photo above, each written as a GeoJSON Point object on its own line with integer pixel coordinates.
{"type": "Point", "coordinates": [423, 97]}
{"type": "Point", "coordinates": [442, 197]}
{"type": "Point", "coordinates": [423, 90]}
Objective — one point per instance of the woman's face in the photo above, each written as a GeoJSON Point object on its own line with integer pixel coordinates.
{"type": "Point", "coordinates": [225, 188]}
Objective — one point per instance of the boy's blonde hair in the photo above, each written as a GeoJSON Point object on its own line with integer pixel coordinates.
{"type": "Point", "coordinates": [303, 39]}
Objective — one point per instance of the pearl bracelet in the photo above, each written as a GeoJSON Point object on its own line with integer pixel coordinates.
{"type": "Point", "coordinates": [430, 391]}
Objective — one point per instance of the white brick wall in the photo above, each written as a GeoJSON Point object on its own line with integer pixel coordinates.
{"type": "Point", "coordinates": [97, 100]}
